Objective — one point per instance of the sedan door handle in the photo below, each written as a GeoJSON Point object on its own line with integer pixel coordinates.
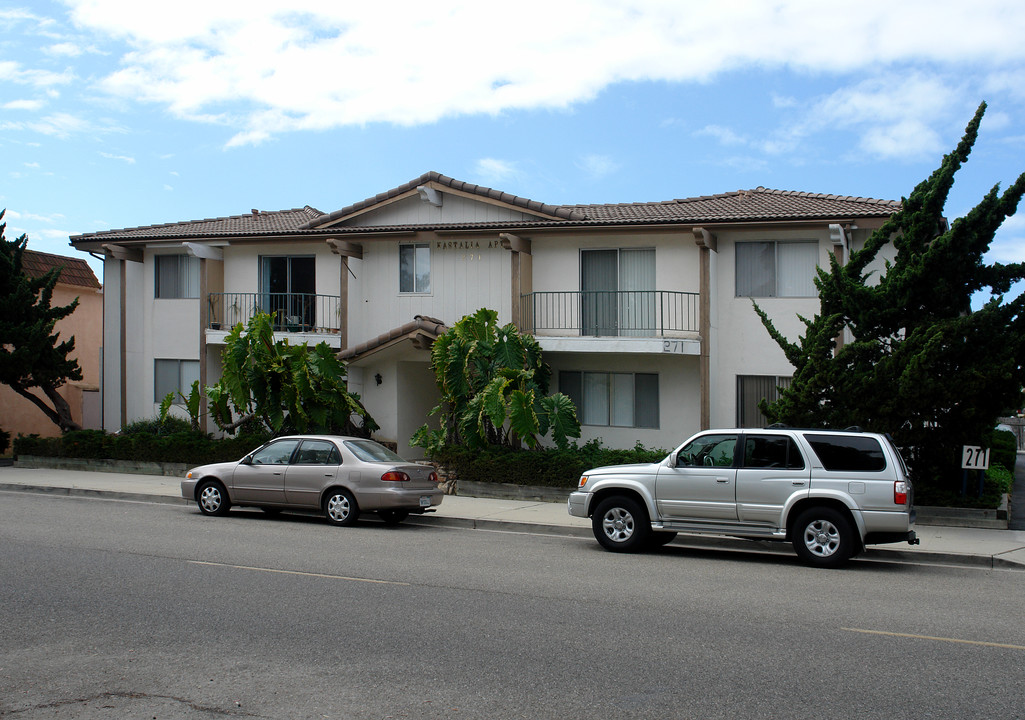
{"type": "Point", "coordinates": [799, 483]}
{"type": "Point", "coordinates": [722, 479]}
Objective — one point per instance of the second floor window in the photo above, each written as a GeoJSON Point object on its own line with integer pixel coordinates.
{"type": "Point", "coordinates": [415, 268]}
{"type": "Point", "coordinates": [177, 276]}
{"type": "Point", "coordinates": [776, 269]}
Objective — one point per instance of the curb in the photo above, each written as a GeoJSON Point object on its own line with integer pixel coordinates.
{"type": "Point", "coordinates": [683, 541]}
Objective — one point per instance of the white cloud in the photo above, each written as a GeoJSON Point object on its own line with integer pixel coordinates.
{"type": "Point", "coordinates": [66, 49]}
{"type": "Point", "coordinates": [11, 71]}
{"type": "Point", "coordinates": [724, 135]}
{"type": "Point", "coordinates": [493, 170]}
{"type": "Point", "coordinates": [23, 105]}
{"type": "Point", "coordinates": [598, 166]}
{"type": "Point", "coordinates": [265, 69]}
{"type": "Point", "coordinates": [124, 158]}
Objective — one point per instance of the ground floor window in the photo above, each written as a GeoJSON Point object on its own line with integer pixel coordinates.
{"type": "Point", "coordinates": [174, 376]}
{"type": "Point", "coordinates": [751, 390]}
{"type": "Point", "coordinates": [615, 399]}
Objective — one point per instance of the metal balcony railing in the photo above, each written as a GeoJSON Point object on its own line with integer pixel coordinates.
{"type": "Point", "coordinates": [623, 313]}
{"type": "Point", "coordinates": [292, 312]}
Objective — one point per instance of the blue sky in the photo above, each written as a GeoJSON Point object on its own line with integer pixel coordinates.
{"type": "Point", "coordinates": [118, 113]}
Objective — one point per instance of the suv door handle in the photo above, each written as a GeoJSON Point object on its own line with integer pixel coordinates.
{"type": "Point", "coordinates": [722, 479]}
{"type": "Point", "coordinates": [798, 483]}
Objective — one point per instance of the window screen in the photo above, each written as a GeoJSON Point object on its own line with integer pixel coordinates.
{"type": "Point", "coordinates": [776, 269]}
{"type": "Point", "coordinates": [415, 268]}
{"type": "Point", "coordinates": [177, 276]}
{"type": "Point", "coordinates": [613, 399]}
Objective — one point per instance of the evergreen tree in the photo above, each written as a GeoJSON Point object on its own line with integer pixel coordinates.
{"type": "Point", "coordinates": [31, 359]}
{"type": "Point", "coordinates": [922, 364]}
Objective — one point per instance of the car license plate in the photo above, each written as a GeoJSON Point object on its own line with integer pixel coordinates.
{"type": "Point", "coordinates": [425, 501]}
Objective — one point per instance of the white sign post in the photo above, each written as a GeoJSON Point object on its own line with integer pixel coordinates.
{"type": "Point", "coordinates": [974, 458]}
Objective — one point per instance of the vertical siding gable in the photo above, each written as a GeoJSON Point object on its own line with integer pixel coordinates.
{"type": "Point", "coordinates": [454, 210]}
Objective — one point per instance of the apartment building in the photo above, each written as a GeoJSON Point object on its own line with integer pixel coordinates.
{"type": "Point", "coordinates": [643, 310]}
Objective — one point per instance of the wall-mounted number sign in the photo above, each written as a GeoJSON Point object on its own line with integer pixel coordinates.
{"type": "Point", "coordinates": [974, 458]}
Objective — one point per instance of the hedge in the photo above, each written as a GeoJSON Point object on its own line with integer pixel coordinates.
{"type": "Point", "coordinates": [548, 467]}
{"type": "Point", "coordinates": [188, 447]}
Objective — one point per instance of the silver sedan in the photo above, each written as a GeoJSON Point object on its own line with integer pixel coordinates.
{"type": "Point", "coordinates": [340, 476]}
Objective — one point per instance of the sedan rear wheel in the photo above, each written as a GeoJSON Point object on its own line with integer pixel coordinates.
{"type": "Point", "coordinates": [212, 498]}
{"type": "Point", "coordinates": [340, 508]}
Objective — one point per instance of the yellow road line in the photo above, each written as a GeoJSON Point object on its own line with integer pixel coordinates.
{"type": "Point", "coordinates": [940, 639]}
{"type": "Point", "coordinates": [298, 572]}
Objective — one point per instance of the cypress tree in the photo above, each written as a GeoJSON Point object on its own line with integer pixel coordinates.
{"type": "Point", "coordinates": [918, 362]}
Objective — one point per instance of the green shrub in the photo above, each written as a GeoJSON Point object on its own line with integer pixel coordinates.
{"type": "Point", "coordinates": [168, 426]}
{"type": "Point", "coordinates": [548, 467]}
{"type": "Point", "coordinates": [1003, 448]}
{"type": "Point", "coordinates": [997, 483]}
{"type": "Point", "coordinates": [190, 447]}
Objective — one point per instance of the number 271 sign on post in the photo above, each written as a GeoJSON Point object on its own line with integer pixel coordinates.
{"type": "Point", "coordinates": [974, 458]}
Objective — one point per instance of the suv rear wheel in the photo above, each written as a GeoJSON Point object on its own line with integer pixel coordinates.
{"type": "Point", "coordinates": [621, 524]}
{"type": "Point", "coordinates": [822, 537]}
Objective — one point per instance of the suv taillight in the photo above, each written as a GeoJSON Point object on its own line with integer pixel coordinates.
{"type": "Point", "coordinates": [433, 477]}
{"type": "Point", "coordinates": [900, 492]}
{"type": "Point", "coordinates": [395, 476]}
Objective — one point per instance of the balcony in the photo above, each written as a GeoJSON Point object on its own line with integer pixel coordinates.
{"type": "Point", "coordinates": [292, 312]}
{"type": "Point", "coordinates": [612, 313]}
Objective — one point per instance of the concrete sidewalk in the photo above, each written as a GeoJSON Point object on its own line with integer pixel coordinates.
{"type": "Point", "coordinates": [939, 545]}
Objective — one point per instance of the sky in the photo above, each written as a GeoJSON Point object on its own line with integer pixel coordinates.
{"type": "Point", "coordinates": [120, 113]}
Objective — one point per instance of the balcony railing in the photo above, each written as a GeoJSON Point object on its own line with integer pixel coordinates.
{"type": "Point", "coordinates": [292, 312]}
{"type": "Point", "coordinates": [623, 313]}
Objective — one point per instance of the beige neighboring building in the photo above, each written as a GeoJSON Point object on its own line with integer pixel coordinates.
{"type": "Point", "coordinates": [18, 415]}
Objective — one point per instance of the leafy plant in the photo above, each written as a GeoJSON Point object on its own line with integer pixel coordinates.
{"type": "Point", "coordinates": [494, 389]}
{"type": "Point", "coordinates": [283, 387]}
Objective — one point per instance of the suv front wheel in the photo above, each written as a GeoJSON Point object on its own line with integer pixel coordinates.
{"type": "Point", "coordinates": [823, 537]}
{"type": "Point", "coordinates": [621, 524]}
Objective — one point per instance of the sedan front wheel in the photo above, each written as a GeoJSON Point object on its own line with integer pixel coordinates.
{"type": "Point", "coordinates": [212, 498]}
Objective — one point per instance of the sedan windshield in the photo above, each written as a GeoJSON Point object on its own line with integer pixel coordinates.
{"type": "Point", "coordinates": [370, 451]}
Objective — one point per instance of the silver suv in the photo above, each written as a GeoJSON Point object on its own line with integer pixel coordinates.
{"type": "Point", "coordinates": [827, 492]}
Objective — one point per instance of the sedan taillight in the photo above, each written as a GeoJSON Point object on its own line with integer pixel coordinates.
{"type": "Point", "coordinates": [900, 492]}
{"type": "Point", "coordinates": [395, 476]}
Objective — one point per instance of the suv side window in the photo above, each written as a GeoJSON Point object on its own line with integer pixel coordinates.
{"type": "Point", "coordinates": [848, 453]}
{"type": "Point", "coordinates": [708, 451]}
{"type": "Point", "coordinates": [772, 451]}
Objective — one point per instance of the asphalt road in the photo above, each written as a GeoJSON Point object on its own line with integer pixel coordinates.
{"type": "Point", "coordinates": [118, 609]}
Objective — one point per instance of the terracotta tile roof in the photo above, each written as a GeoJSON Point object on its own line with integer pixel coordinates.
{"type": "Point", "coordinates": [253, 223]}
{"type": "Point", "coordinates": [423, 331]}
{"type": "Point", "coordinates": [759, 204]}
{"type": "Point", "coordinates": [74, 271]}
{"type": "Point", "coordinates": [514, 200]}
{"type": "Point", "coordinates": [742, 205]}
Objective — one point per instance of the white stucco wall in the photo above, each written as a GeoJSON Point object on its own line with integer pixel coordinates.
{"type": "Point", "coordinates": [467, 274]}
